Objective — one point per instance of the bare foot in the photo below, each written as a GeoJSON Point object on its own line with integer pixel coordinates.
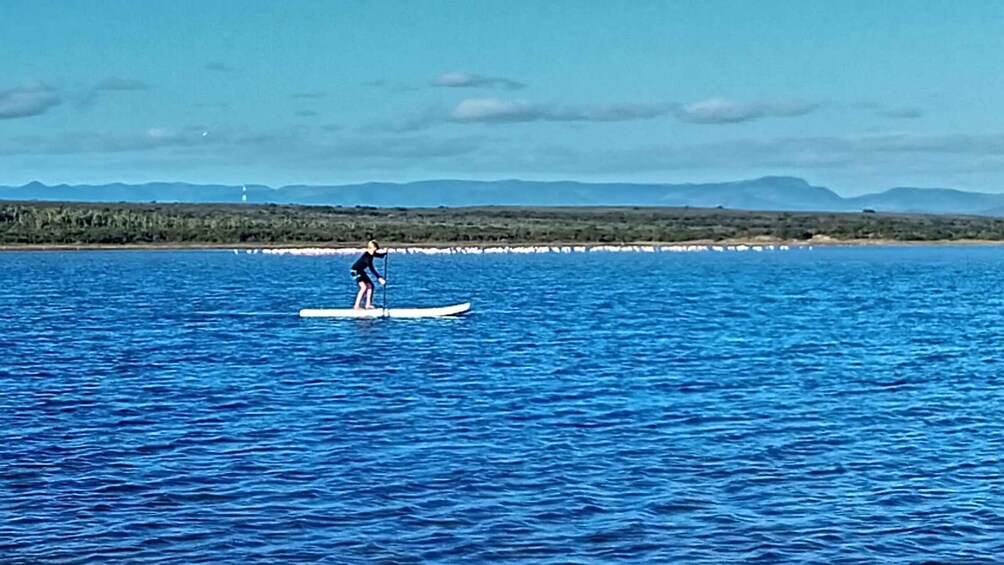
{"type": "Point", "coordinates": [357, 307]}
{"type": "Point", "coordinates": [369, 307]}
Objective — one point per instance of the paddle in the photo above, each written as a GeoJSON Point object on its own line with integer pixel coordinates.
{"type": "Point", "coordinates": [385, 273]}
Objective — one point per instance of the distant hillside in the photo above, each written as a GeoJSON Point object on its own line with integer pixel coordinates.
{"type": "Point", "coordinates": [931, 200]}
{"type": "Point", "coordinates": [767, 193]}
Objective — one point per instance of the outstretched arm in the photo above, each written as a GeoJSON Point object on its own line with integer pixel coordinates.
{"type": "Point", "coordinates": [373, 267]}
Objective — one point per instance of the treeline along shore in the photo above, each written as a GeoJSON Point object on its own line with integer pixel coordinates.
{"type": "Point", "coordinates": [33, 224]}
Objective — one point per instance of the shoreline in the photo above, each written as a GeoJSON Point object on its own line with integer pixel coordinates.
{"type": "Point", "coordinates": [815, 242]}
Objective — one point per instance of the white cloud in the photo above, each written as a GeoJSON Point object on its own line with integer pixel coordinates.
{"type": "Point", "coordinates": [159, 133]}
{"type": "Point", "coordinates": [729, 111]}
{"type": "Point", "coordinates": [493, 110]}
{"type": "Point", "coordinates": [462, 79]}
{"type": "Point", "coordinates": [29, 99]}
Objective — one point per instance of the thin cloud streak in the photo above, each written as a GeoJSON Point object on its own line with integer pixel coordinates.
{"type": "Point", "coordinates": [29, 99]}
{"type": "Point", "coordinates": [417, 121]}
{"type": "Point", "coordinates": [729, 111]}
{"type": "Point", "coordinates": [120, 84]}
{"type": "Point", "coordinates": [75, 143]}
{"type": "Point", "coordinates": [301, 146]}
{"type": "Point", "coordinates": [288, 146]}
{"type": "Point", "coordinates": [902, 113]}
{"type": "Point", "coordinates": [494, 110]}
{"type": "Point", "coordinates": [497, 111]}
{"type": "Point", "coordinates": [391, 85]}
{"type": "Point", "coordinates": [219, 67]}
{"type": "Point", "coordinates": [462, 79]}
{"type": "Point", "coordinates": [889, 153]}
{"type": "Point", "coordinates": [883, 111]}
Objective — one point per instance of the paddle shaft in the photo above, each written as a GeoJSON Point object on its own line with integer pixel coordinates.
{"type": "Point", "coordinates": [385, 273]}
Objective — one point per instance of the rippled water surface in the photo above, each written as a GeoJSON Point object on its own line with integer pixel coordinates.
{"type": "Point", "coordinates": [824, 406]}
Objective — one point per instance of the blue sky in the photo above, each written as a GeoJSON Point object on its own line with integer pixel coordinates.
{"type": "Point", "coordinates": [858, 96]}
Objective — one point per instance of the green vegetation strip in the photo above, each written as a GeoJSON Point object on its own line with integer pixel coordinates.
{"type": "Point", "coordinates": [44, 223]}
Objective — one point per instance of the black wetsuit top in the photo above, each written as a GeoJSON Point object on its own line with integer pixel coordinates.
{"type": "Point", "coordinates": [366, 262]}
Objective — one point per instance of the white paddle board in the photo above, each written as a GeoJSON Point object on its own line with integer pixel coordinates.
{"type": "Point", "coordinates": [442, 311]}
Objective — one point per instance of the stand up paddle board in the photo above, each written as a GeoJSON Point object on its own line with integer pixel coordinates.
{"type": "Point", "coordinates": [440, 312]}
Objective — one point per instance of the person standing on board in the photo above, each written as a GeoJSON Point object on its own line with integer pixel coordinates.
{"type": "Point", "coordinates": [359, 275]}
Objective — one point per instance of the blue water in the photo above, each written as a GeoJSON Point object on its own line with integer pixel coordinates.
{"type": "Point", "coordinates": [825, 406]}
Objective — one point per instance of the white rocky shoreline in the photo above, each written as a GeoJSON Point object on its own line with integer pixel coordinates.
{"type": "Point", "coordinates": [526, 249]}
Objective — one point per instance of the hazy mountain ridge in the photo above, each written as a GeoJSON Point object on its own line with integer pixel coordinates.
{"type": "Point", "coordinates": [766, 193]}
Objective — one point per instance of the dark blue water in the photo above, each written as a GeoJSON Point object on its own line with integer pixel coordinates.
{"type": "Point", "coordinates": [826, 406]}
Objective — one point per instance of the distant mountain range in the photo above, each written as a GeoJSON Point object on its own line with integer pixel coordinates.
{"type": "Point", "coordinates": [767, 193]}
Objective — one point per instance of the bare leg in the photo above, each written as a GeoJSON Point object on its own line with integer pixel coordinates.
{"type": "Point", "coordinates": [369, 296]}
{"type": "Point", "coordinates": [359, 296]}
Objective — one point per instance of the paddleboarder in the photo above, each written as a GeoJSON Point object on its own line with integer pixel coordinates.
{"type": "Point", "coordinates": [359, 275]}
